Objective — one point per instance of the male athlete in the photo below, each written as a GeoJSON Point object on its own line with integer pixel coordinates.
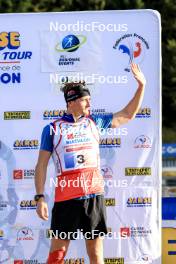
{"type": "Point", "coordinates": [75, 151]}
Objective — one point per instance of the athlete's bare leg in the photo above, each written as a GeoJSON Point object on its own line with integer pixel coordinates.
{"type": "Point", "coordinates": [95, 250]}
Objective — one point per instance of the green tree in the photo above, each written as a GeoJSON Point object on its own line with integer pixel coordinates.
{"type": "Point", "coordinates": [167, 9]}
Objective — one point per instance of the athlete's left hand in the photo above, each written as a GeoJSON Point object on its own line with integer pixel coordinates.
{"type": "Point", "coordinates": [138, 75]}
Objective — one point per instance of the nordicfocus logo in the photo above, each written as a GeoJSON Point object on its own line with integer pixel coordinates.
{"type": "Point", "coordinates": [25, 233]}
{"type": "Point", "coordinates": [23, 174]}
{"type": "Point", "coordinates": [142, 142]}
{"type": "Point", "coordinates": [26, 144]}
{"type": "Point", "coordinates": [132, 48]}
{"type": "Point", "coordinates": [138, 231]}
{"type": "Point", "coordinates": [69, 44]}
{"type": "Point", "coordinates": [11, 57]}
{"type": "Point", "coordinates": [53, 114]}
{"type": "Point", "coordinates": [139, 202]}
{"type": "Point", "coordinates": [113, 260]}
{"type": "Point", "coordinates": [144, 113]}
{"type": "Point", "coordinates": [28, 205]}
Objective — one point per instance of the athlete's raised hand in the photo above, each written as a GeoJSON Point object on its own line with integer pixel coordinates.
{"type": "Point", "coordinates": [138, 75]}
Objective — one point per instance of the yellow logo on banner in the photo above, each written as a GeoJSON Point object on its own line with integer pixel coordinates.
{"type": "Point", "coordinates": [53, 113]}
{"type": "Point", "coordinates": [74, 261]}
{"type": "Point", "coordinates": [110, 202]}
{"type": "Point", "coordinates": [17, 115]}
{"type": "Point", "coordinates": [140, 200]}
{"type": "Point", "coordinates": [110, 141]}
{"type": "Point", "coordinates": [114, 260]}
{"type": "Point", "coordinates": [1, 233]}
{"type": "Point", "coordinates": [28, 203]}
{"type": "Point", "coordinates": [10, 40]}
{"type": "Point", "coordinates": [144, 112]}
{"type": "Point", "coordinates": [138, 171]}
{"type": "Point", "coordinates": [26, 143]}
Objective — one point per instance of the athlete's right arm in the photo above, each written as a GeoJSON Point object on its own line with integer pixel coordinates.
{"type": "Point", "coordinates": [40, 178]}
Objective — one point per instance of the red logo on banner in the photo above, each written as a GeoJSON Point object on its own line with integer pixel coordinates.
{"type": "Point", "coordinates": [18, 174]}
{"type": "Point", "coordinates": [18, 261]}
{"type": "Point", "coordinates": [125, 231]}
{"type": "Point", "coordinates": [70, 136]}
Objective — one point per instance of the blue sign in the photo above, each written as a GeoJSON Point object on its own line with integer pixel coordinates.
{"type": "Point", "coordinates": [169, 208]}
{"type": "Point", "coordinates": [169, 150]}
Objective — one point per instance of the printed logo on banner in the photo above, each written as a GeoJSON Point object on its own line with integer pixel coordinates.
{"type": "Point", "coordinates": [133, 171]}
{"type": "Point", "coordinates": [28, 205]}
{"type": "Point", "coordinates": [133, 47]}
{"type": "Point", "coordinates": [25, 233]}
{"type": "Point", "coordinates": [11, 57]}
{"type": "Point", "coordinates": [48, 233]}
{"type": "Point", "coordinates": [28, 261]}
{"type": "Point", "coordinates": [26, 144]}
{"type": "Point", "coordinates": [144, 113]}
{"type": "Point", "coordinates": [17, 174]}
{"type": "Point", "coordinates": [53, 114]}
{"type": "Point", "coordinates": [113, 260]}
{"type": "Point", "coordinates": [98, 111]}
{"type": "Point", "coordinates": [146, 259]}
{"type": "Point", "coordinates": [18, 261]}
{"type": "Point", "coordinates": [110, 202]}
{"type": "Point", "coordinates": [138, 231]}
{"type": "Point", "coordinates": [74, 261]}
{"type": "Point", "coordinates": [109, 232]}
{"type": "Point", "coordinates": [17, 115]}
{"type": "Point", "coordinates": [139, 202]}
{"type": "Point", "coordinates": [142, 141]}
{"type": "Point", "coordinates": [110, 142]}
{"type": "Point", "coordinates": [3, 205]}
{"type": "Point", "coordinates": [106, 172]}
{"type": "Point", "coordinates": [1, 234]}
{"type": "Point", "coordinates": [69, 43]}
{"type": "Point", "coordinates": [23, 174]}
{"type": "Point", "coordinates": [125, 232]}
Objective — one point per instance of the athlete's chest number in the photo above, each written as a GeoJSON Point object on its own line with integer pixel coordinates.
{"type": "Point", "coordinates": [80, 159]}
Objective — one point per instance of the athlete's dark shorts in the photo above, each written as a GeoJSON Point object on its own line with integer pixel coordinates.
{"type": "Point", "coordinates": [86, 215]}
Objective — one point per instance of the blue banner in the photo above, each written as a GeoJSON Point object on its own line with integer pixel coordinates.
{"type": "Point", "coordinates": [169, 150]}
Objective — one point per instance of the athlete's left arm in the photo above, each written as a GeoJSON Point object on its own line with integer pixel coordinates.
{"type": "Point", "coordinates": [130, 110]}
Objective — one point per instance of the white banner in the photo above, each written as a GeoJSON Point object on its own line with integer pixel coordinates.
{"type": "Point", "coordinates": [37, 53]}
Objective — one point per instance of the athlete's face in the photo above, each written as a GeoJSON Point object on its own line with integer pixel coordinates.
{"type": "Point", "coordinates": [81, 106]}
